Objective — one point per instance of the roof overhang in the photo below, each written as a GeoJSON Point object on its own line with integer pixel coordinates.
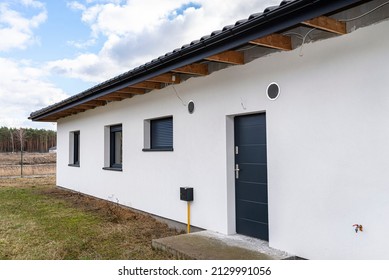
{"type": "Point", "coordinates": [260, 29]}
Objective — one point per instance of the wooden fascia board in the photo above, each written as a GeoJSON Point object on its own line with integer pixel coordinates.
{"type": "Point", "coordinates": [110, 98]}
{"type": "Point", "coordinates": [168, 78]}
{"type": "Point", "coordinates": [49, 119]}
{"type": "Point", "coordinates": [83, 106]}
{"type": "Point", "coordinates": [230, 57]}
{"type": "Point", "coordinates": [193, 69]}
{"type": "Point", "coordinates": [95, 102]}
{"type": "Point", "coordinates": [120, 94]}
{"type": "Point", "coordinates": [73, 111]}
{"type": "Point", "coordinates": [60, 115]}
{"type": "Point", "coordinates": [129, 90]}
{"type": "Point", "coordinates": [64, 114]}
{"type": "Point", "coordinates": [274, 41]}
{"type": "Point", "coordinates": [147, 85]}
{"type": "Point", "coordinates": [327, 24]}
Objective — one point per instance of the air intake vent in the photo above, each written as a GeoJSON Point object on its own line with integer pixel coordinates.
{"type": "Point", "coordinates": [191, 107]}
{"type": "Point", "coordinates": [273, 91]}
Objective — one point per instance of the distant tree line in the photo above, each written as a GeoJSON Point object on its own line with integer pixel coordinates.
{"type": "Point", "coordinates": [33, 140]}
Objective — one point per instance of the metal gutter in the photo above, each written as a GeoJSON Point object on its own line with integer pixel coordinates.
{"type": "Point", "coordinates": [285, 16]}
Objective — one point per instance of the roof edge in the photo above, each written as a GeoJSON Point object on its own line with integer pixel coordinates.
{"type": "Point", "coordinates": [287, 14]}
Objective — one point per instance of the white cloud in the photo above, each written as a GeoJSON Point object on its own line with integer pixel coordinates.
{"type": "Point", "coordinates": [23, 89]}
{"type": "Point", "coordinates": [87, 67]}
{"type": "Point", "coordinates": [16, 30]}
{"type": "Point", "coordinates": [137, 31]}
{"type": "Point", "coordinates": [74, 5]}
{"type": "Point", "coordinates": [82, 44]}
{"type": "Point", "coordinates": [134, 17]}
{"type": "Point", "coordinates": [32, 3]}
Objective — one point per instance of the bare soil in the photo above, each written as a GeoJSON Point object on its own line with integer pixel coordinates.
{"type": "Point", "coordinates": [28, 158]}
{"type": "Point", "coordinates": [33, 164]}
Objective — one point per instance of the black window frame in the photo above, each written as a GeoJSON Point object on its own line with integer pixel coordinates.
{"type": "Point", "coordinates": [76, 149]}
{"type": "Point", "coordinates": [158, 142]}
{"type": "Point", "coordinates": [112, 146]}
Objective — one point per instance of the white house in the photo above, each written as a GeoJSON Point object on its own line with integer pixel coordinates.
{"type": "Point", "coordinates": [279, 123]}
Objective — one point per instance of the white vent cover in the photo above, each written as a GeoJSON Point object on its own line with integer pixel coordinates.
{"type": "Point", "coordinates": [273, 91]}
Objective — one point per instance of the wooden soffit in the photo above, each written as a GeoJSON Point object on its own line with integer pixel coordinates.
{"type": "Point", "coordinates": [168, 78]}
{"type": "Point", "coordinates": [147, 85]}
{"type": "Point", "coordinates": [230, 57]}
{"type": "Point", "coordinates": [274, 41]}
{"type": "Point", "coordinates": [327, 24]}
{"type": "Point", "coordinates": [193, 69]}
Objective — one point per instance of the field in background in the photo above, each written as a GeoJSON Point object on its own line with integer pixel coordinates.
{"type": "Point", "coordinates": [33, 164]}
{"type": "Point", "coordinates": [40, 221]}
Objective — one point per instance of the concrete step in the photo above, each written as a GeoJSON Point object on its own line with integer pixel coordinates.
{"type": "Point", "coordinates": [207, 245]}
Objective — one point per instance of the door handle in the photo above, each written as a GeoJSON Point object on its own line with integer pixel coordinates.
{"type": "Point", "coordinates": [237, 171]}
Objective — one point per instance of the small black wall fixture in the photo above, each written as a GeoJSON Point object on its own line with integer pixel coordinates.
{"type": "Point", "coordinates": [186, 194]}
{"type": "Point", "coordinates": [191, 107]}
{"type": "Point", "coordinates": [273, 91]}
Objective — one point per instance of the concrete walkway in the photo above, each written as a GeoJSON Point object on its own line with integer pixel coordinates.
{"type": "Point", "coordinates": [207, 245]}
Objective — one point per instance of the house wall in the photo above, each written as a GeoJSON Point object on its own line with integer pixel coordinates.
{"type": "Point", "coordinates": [327, 135]}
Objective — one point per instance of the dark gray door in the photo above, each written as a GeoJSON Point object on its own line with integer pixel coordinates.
{"type": "Point", "coordinates": [251, 176]}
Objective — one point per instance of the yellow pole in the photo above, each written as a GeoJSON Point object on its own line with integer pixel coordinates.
{"type": "Point", "coordinates": [188, 225]}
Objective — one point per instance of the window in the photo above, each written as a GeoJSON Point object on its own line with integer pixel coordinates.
{"type": "Point", "coordinates": [116, 146]}
{"type": "Point", "coordinates": [113, 148]}
{"type": "Point", "coordinates": [74, 148]}
{"type": "Point", "coordinates": [159, 134]}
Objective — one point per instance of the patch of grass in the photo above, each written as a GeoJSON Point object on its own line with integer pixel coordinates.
{"type": "Point", "coordinates": [39, 221]}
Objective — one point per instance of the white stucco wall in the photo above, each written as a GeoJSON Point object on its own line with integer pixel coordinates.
{"type": "Point", "coordinates": [327, 135]}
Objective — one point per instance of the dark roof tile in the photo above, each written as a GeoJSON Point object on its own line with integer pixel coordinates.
{"type": "Point", "coordinates": [285, 2]}
{"type": "Point", "coordinates": [240, 21]}
{"type": "Point", "coordinates": [216, 32]}
{"type": "Point", "coordinates": [228, 27]}
{"type": "Point", "coordinates": [255, 15]}
{"type": "Point", "coordinates": [269, 9]}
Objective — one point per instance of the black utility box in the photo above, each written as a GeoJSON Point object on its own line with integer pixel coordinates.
{"type": "Point", "coordinates": [186, 194]}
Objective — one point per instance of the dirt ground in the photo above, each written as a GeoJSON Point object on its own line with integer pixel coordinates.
{"type": "Point", "coordinates": [28, 182]}
{"type": "Point", "coordinates": [33, 164]}
{"type": "Point", "coordinates": [28, 158]}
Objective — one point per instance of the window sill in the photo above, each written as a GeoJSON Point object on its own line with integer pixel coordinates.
{"type": "Point", "coordinates": [112, 168]}
{"type": "Point", "coordinates": [158, 150]}
{"type": "Point", "coordinates": [74, 165]}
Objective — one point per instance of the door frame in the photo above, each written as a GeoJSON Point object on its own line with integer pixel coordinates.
{"type": "Point", "coordinates": [230, 170]}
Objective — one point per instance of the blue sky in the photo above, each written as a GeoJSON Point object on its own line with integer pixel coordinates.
{"type": "Point", "coordinates": [50, 50]}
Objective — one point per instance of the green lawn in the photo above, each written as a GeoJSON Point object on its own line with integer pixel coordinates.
{"type": "Point", "coordinates": [39, 221]}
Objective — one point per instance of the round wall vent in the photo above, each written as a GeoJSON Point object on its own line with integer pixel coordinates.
{"type": "Point", "coordinates": [273, 91]}
{"type": "Point", "coordinates": [191, 107]}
